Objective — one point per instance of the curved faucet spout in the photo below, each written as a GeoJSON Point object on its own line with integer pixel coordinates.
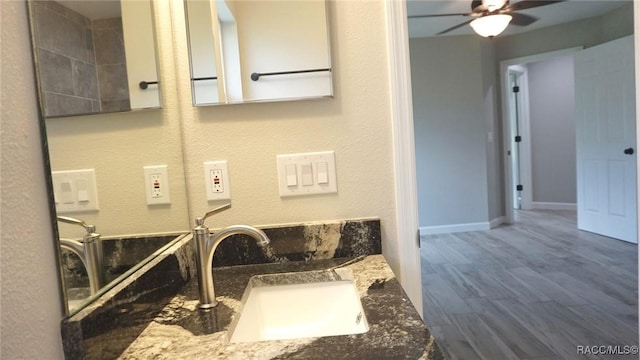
{"type": "Point", "coordinates": [206, 245]}
{"type": "Point", "coordinates": [259, 235]}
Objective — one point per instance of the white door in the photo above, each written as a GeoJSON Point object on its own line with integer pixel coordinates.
{"type": "Point", "coordinates": [606, 143]}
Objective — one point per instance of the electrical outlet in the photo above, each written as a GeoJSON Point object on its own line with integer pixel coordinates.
{"type": "Point", "coordinates": [216, 177]}
{"type": "Point", "coordinates": [156, 179]}
{"type": "Point", "coordinates": [216, 181]}
{"type": "Point", "coordinates": [156, 186]}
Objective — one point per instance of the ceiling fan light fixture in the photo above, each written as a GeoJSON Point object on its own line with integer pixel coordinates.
{"type": "Point", "coordinates": [490, 25]}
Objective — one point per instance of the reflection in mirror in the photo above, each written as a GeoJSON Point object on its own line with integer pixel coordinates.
{"type": "Point", "coordinates": [92, 56]}
{"type": "Point", "coordinates": [258, 50]}
{"type": "Point", "coordinates": [98, 160]}
{"type": "Point", "coordinates": [91, 263]}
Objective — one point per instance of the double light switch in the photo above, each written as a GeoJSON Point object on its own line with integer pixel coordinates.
{"type": "Point", "coordinates": [307, 173]}
{"type": "Point", "coordinates": [75, 191]}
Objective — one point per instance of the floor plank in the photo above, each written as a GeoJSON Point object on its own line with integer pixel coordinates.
{"type": "Point", "coordinates": [483, 340]}
{"type": "Point", "coordinates": [536, 289]}
{"type": "Point", "coordinates": [452, 343]}
{"type": "Point", "coordinates": [520, 340]}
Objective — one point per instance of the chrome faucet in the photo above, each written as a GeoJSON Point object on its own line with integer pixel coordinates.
{"type": "Point", "coordinates": [89, 250]}
{"type": "Point", "coordinates": [206, 245]}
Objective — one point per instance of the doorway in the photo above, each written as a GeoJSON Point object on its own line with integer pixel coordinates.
{"type": "Point", "coordinates": [539, 153]}
{"type": "Point", "coordinates": [558, 163]}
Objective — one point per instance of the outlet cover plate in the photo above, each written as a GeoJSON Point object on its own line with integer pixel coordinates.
{"type": "Point", "coordinates": [216, 179]}
{"type": "Point", "coordinates": [156, 181]}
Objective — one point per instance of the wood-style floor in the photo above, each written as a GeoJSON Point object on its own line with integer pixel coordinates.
{"type": "Point", "coordinates": [537, 289]}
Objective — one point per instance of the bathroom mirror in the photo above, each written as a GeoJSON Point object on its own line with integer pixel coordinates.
{"type": "Point", "coordinates": [258, 50]}
{"type": "Point", "coordinates": [115, 148]}
{"type": "Point", "coordinates": [95, 56]}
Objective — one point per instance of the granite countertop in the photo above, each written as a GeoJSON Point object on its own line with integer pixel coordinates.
{"type": "Point", "coordinates": [182, 331]}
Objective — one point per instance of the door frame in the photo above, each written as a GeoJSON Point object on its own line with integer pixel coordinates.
{"type": "Point", "coordinates": [407, 240]}
{"type": "Point", "coordinates": [525, 131]}
{"type": "Point", "coordinates": [506, 124]}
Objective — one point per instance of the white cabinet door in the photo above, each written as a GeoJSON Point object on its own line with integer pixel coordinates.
{"type": "Point", "coordinates": [605, 125]}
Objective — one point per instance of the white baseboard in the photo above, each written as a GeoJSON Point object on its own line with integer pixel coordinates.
{"type": "Point", "coordinates": [497, 221]}
{"type": "Point", "coordinates": [553, 206]}
{"type": "Point", "coordinates": [442, 229]}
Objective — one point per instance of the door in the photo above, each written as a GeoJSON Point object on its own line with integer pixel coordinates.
{"type": "Point", "coordinates": [605, 125]}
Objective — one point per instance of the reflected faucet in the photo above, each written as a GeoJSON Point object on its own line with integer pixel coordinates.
{"type": "Point", "coordinates": [206, 245]}
{"type": "Point", "coordinates": [89, 250]}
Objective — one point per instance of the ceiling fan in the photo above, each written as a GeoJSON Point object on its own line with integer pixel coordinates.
{"type": "Point", "coordinates": [491, 17]}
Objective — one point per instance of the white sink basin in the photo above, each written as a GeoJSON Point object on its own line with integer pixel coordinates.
{"type": "Point", "coordinates": [299, 305]}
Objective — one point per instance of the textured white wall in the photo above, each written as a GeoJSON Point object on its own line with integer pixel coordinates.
{"type": "Point", "coordinates": [31, 308]}
{"type": "Point", "coordinates": [356, 124]}
{"type": "Point", "coordinates": [119, 145]}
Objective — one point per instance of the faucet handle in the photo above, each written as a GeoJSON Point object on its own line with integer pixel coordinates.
{"type": "Point", "coordinates": [69, 220]}
{"type": "Point", "coordinates": [200, 220]}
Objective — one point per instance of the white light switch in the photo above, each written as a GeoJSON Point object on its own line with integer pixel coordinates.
{"type": "Point", "coordinates": [67, 192]}
{"type": "Point", "coordinates": [292, 175]}
{"type": "Point", "coordinates": [83, 193]}
{"type": "Point", "coordinates": [307, 173]}
{"type": "Point", "coordinates": [323, 172]}
{"type": "Point", "coordinates": [75, 191]}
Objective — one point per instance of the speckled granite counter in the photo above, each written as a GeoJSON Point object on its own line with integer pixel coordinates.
{"type": "Point", "coordinates": [182, 331]}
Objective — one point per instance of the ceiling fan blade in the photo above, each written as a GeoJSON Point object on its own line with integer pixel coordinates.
{"type": "Point", "coordinates": [522, 19]}
{"type": "Point", "coordinates": [436, 15]}
{"type": "Point", "coordinates": [529, 4]}
{"type": "Point", "coordinates": [454, 27]}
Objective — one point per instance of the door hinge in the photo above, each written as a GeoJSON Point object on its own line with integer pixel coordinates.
{"type": "Point", "coordinates": [519, 187]}
{"type": "Point", "coordinates": [518, 138]}
{"type": "Point", "coordinates": [516, 89]}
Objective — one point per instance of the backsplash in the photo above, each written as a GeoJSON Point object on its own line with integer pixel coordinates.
{"type": "Point", "coordinates": [304, 242]}
{"type": "Point", "coordinates": [108, 325]}
{"type": "Point", "coordinates": [120, 254]}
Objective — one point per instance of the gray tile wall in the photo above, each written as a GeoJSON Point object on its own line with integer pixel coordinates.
{"type": "Point", "coordinates": [81, 63]}
{"type": "Point", "coordinates": [111, 65]}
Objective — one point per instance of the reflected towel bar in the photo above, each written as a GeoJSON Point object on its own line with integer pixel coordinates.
{"type": "Point", "coordinates": [205, 78]}
{"type": "Point", "coordinates": [145, 84]}
{"type": "Point", "coordinates": [256, 76]}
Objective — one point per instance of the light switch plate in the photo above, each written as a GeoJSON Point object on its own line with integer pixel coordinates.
{"type": "Point", "coordinates": [315, 173]}
{"type": "Point", "coordinates": [75, 191]}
